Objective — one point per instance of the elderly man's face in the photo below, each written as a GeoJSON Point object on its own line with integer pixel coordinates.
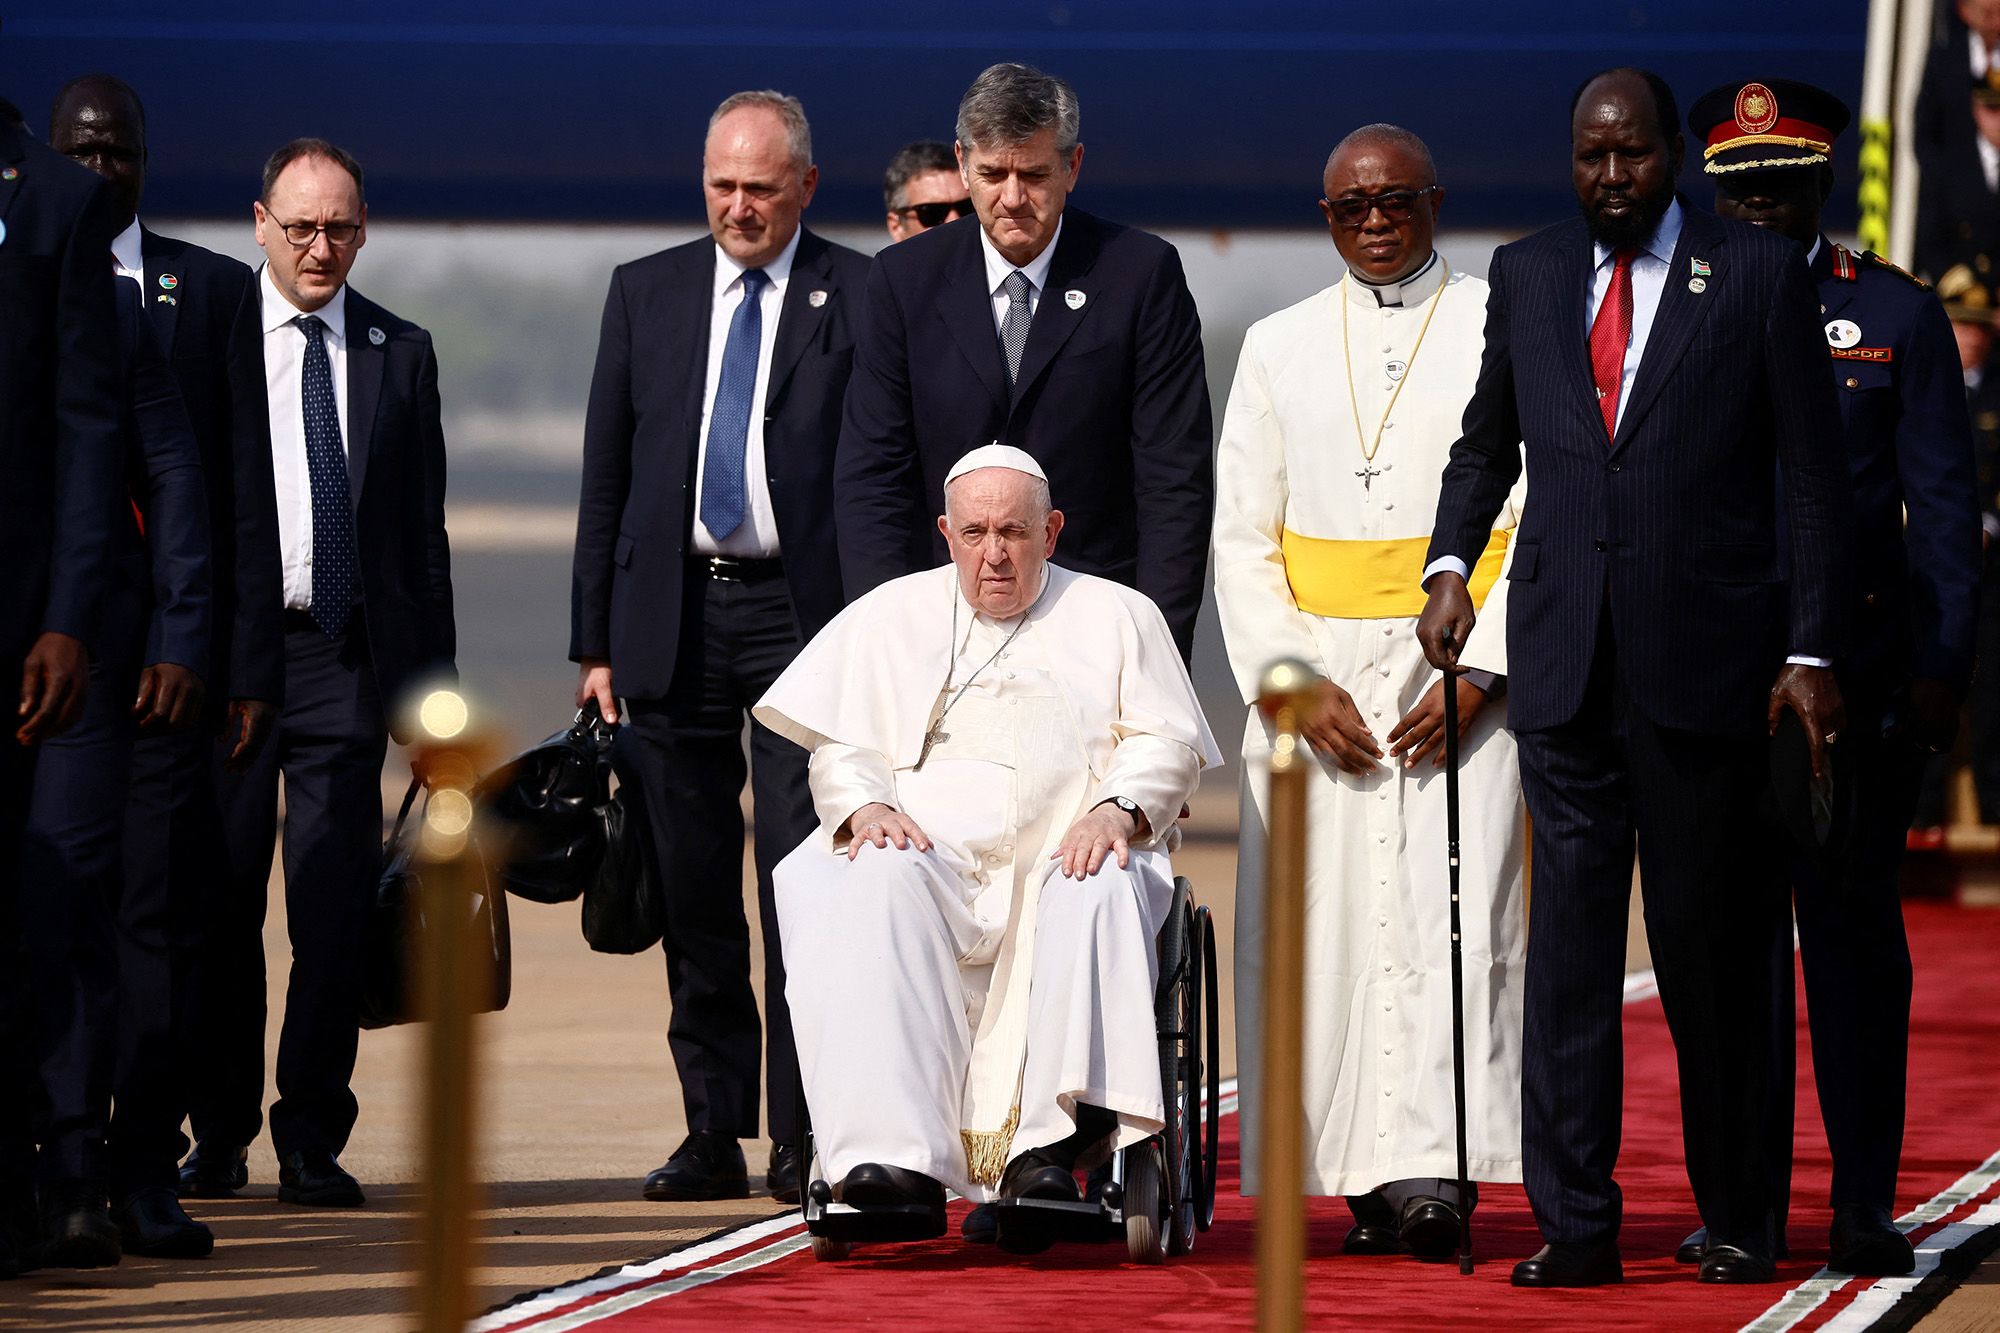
{"type": "Point", "coordinates": [1623, 162]}
{"type": "Point", "coordinates": [316, 191]}
{"type": "Point", "coordinates": [754, 188]}
{"type": "Point", "coordinates": [1019, 191]}
{"type": "Point", "coordinates": [1394, 236]}
{"type": "Point", "coordinates": [1000, 538]}
{"type": "Point", "coordinates": [941, 189]}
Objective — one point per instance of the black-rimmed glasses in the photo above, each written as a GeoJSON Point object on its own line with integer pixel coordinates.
{"type": "Point", "coordinates": [1352, 210]}
{"type": "Point", "coordinates": [303, 234]}
{"type": "Point", "coordinates": [932, 215]}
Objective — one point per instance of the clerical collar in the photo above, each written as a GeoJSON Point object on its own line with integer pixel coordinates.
{"type": "Point", "coordinates": [1412, 290]}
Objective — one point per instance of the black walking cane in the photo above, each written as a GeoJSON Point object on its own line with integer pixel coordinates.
{"type": "Point", "coordinates": [1457, 964]}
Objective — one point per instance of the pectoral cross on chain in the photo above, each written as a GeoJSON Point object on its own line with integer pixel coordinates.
{"type": "Point", "coordinates": [936, 734]}
{"type": "Point", "coordinates": [1369, 472]}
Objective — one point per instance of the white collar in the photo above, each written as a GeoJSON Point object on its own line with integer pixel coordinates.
{"type": "Point", "coordinates": [128, 249]}
{"type": "Point", "coordinates": [279, 311]}
{"type": "Point", "coordinates": [1660, 245]}
{"type": "Point", "coordinates": [998, 266]}
{"type": "Point", "coordinates": [1980, 57]}
{"type": "Point", "coordinates": [1813, 253]}
{"type": "Point", "coordinates": [1413, 290]}
{"type": "Point", "coordinates": [1989, 153]}
{"type": "Point", "coordinates": [729, 270]}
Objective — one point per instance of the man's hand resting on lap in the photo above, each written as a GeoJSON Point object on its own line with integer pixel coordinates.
{"type": "Point", "coordinates": [1103, 828]}
{"type": "Point", "coordinates": [880, 825]}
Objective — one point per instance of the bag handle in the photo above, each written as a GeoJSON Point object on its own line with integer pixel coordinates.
{"type": "Point", "coordinates": [409, 799]}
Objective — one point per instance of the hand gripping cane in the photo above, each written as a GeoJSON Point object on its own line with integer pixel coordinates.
{"type": "Point", "coordinates": [1457, 964]}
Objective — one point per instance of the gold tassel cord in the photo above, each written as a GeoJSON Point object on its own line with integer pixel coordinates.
{"type": "Point", "coordinates": [987, 1150]}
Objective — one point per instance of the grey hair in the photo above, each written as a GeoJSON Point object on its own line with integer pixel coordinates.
{"type": "Point", "coordinates": [798, 134]}
{"type": "Point", "coordinates": [1010, 104]}
{"type": "Point", "coordinates": [1038, 491]}
{"type": "Point", "coordinates": [911, 161]}
{"type": "Point", "coordinates": [1394, 136]}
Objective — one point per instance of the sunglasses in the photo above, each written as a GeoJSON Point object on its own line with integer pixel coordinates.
{"type": "Point", "coordinates": [932, 215]}
{"type": "Point", "coordinates": [1352, 211]}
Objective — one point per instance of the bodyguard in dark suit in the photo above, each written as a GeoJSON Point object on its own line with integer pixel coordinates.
{"type": "Point", "coordinates": [61, 452]}
{"type": "Point", "coordinates": [172, 817]}
{"type": "Point", "coordinates": [1911, 606]}
{"type": "Point", "coordinates": [1958, 199]}
{"type": "Point", "coordinates": [1665, 375]}
{"type": "Point", "coordinates": [352, 429]}
{"type": "Point", "coordinates": [1042, 327]}
{"type": "Point", "coordinates": [705, 559]}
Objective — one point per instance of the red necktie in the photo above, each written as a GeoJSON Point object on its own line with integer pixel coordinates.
{"type": "Point", "coordinates": [1610, 336]}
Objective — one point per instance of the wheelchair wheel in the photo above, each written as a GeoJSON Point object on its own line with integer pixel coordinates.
{"type": "Point", "coordinates": [827, 1250]}
{"type": "Point", "coordinates": [1178, 1020]}
{"type": "Point", "coordinates": [1145, 1234]}
{"type": "Point", "coordinates": [1211, 1073]}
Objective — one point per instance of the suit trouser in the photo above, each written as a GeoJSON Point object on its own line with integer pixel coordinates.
{"type": "Point", "coordinates": [1594, 785]}
{"type": "Point", "coordinates": [17, 1077]}
{"type": "Point", "coordinates": [328, 747]}
{"type": "Point", "coordinates": [71, 864]}
{"type": "Point", "coordinates": [1856, 959]}
{"type": "Point", "coordinates": [685, 755]}
{"type": "Point", "coordinates": [173, 850]}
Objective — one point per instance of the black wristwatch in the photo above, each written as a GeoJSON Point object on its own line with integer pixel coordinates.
{"type": "Point", "coordinates": [1130, 807]}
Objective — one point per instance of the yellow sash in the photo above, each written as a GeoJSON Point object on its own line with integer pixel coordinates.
{"type": "Point", "coordinates": [1353, 580]}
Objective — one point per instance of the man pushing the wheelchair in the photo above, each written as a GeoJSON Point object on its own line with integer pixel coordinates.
{"type": "Point", "coordinates": [1000, 749]}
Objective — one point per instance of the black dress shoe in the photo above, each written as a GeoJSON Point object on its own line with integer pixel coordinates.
{"type": "Point", "coordinates": [1561, 1264]}
{"type": "Point", "coordinates": [1429, 1228]}
{"type": "Point", "coordinates": [153, 1223]}
{"type": "Point", "coordinates": [1736, 1264]}
{"type": "Point", "coordinates": [1371, 1238]}
{"type": "Point", "coordinates": [312, 1176]}
{"type": "Point", "coordinates": [213, 1171]}
{"type": "Point", "coordinates": [881, 1184]}
{"type": "Point", "coordinates": [77, 1231]}
{"type": "Point", "coordinates": [1865, 1240]}
{"type": "Point", "coordinates": [1691, 1249]}
{"type": "Point", "coordinates": [782, 1178]}
{"type": "Point", "coordinates": [1033, 1175]}
{"type": "Point", "coordinates": [981, 1226]}
{"type": "Point", "coordinates": [705, 1166]}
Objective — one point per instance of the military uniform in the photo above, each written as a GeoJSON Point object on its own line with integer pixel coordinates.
{"type": "Point", "coordinates": [1908, 443]}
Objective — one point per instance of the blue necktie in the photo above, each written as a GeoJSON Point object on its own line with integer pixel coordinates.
{"type": "Point", "coordinates": [724, 497]}
{"type": "Point", "coordinates": [326, 467]}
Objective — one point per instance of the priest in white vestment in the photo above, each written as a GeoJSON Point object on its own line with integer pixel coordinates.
{"type": "Point", "coordinates": [1000, 750]}
{"type": "Point", "coordinates": [1343, 413]}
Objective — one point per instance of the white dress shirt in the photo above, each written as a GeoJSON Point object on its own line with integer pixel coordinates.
{"type": "Point", "coordinates": [284, 370]}
{"type": "Point", "coordinates": [999, 267]}
{"type": "Point", "coordinates": [1989, 162]}
{"type": "Point", "coordinates": [757, 536]}
{"type": "Point", "coordinates": [128, 255]}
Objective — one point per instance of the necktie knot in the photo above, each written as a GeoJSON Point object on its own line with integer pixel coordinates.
{"type": "Point", "coordinates": [314, 328]}
{"type": "Point", "coordinates": [1623, 258]}
{"type": "Point", "coordinates": [754, 280]}
{"type": "Point", "coordinates": [1017, 287]}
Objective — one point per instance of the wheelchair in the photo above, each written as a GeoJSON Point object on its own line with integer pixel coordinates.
{"type": "Point", "coordinates": [1156, 1195]}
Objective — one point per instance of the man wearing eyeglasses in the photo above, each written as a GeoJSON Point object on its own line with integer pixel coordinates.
{"type": "Point", "coordinates": [350, 420]}
{"type": "Point", "coordinates": [1343, 413]}
{"type": "Point", "coordinates": [923, 189]}
{"type": "Point", "coordinates": [1044, 328]}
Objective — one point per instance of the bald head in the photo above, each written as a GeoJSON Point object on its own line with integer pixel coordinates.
{"type": "Point", "coordinates": [1383, 138]}
{"type": "Point", "coordinates": [1381, 204]}
{"type": "Point", "coordinates": [98, 121]}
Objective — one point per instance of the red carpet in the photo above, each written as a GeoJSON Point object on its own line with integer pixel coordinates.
{"type": "Point", "coordinates": [762, 1277]}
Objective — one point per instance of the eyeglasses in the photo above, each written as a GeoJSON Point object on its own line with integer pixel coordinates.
{"type": "Point", "coordinates": [1351, 211]}
{"type": "Point", "coordinates": [932, 215]}
{"type": "Point", "coordinates": [303, 234]}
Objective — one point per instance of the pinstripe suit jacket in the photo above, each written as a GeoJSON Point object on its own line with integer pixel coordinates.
{"type": "Point", "coordinates": [1673, 525]}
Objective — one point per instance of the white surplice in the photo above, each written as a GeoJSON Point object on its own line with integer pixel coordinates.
{"type": "Point", "coordinates": [1378, 1049]}
{"type": "Point", "coordinates": [952, 1007]}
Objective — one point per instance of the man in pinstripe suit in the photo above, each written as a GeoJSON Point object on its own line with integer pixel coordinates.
{"type": "Point", "coordinates": [1667, 375]}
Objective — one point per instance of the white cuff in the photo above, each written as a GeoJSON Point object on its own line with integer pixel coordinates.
{"type": "Point", "coordinates": [1798, 659]}
{"type": "Point", "coordinates": [1441, 564]}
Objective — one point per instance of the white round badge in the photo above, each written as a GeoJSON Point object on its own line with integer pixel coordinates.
{"type": "Point", "coordinates": [1842, 333]}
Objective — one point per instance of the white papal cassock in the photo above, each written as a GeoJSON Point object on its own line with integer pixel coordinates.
{"type": "Point", "coordinates": [952, 1007]}
{"type": "Point", "coordinates": [1315, 560]}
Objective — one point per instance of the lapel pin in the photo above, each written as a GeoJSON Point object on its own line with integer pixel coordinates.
{"type": "Point", "coordinates": [1842, 333]}
{"type": "Point", "coordinates": [168, 300]}
{"type": "Point", "coordinates": [1697, 285]}
{"type": "Point", "coordinates": [1700, 267]}
{"type": "Point", "coordinates": [1074, 299]}
{"type": "Point", "coordinates": [168, 282]}
{"type": "Point", "coordinates": [10, 174]}
{"type": "Point", "coordinates": [377, 337]}
{"type": "Point", "coordinates": [816, 298]}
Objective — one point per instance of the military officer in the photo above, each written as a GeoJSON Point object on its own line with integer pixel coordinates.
{"type": "Point", "coordinates": [1768, 146]}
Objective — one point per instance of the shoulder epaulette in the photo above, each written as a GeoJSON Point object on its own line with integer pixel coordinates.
{"type": "Point", "coordinates": [1896, 269]}
{"type": "Point", "coordinates": [1843, 263]}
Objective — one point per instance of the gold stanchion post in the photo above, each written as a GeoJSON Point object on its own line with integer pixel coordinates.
{"type": "Point", "coordinates": [453, 974]}
{"type": "Point", "coordinates": [1287, 690]}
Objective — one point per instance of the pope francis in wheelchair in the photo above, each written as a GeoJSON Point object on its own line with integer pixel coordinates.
{"type": "Point", "coordinates": [995, 980]}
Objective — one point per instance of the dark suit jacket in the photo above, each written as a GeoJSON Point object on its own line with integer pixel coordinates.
{"type": "Point", "coordinates": [195, 299]}
{"type": "Point", "coordinates": [1941, 121]}
{"type": "Point", "coordinates": [168, 565]}
{"type": "Point", "coordinates": [61, 455]}
{"type": "Point", "coordinates": [1671, 526]}
{"type": "Point", "coordinates": [1916, 504]}
{"type": "Point", "coordinates": [1957, 216]}
{"type": "Point", "coordinates": [642, 439]}
{"type": "Point", "coordinates": [395, 478]}
{"type": "Point", "coordinates": [1111, 400]}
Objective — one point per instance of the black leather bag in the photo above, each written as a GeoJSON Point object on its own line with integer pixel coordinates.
{"type": "Point", "coordinates": [622, 910]}
{"type": "Point", "coordinates": [543, 809]}
{"type": "Point", "coordinates": [397, 930]}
